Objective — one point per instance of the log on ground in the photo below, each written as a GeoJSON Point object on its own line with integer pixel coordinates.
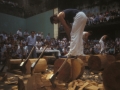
{"type": "Point", "coordinates": [14, 64]}
{"type": "Point", "coordinates": [98, 62]}
{"type": "Point", "coordinates": [40, 67]}
{"type": "Point", "coordinates": [72, 69]}
{"type": "Point", "coordinates": [111, 76]}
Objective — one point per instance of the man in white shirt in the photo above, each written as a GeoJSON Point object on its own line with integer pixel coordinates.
{"type": "Point", "coordinates": [42, 36]}
{"type": "Point", "coordinates": [86, 34]}
{"type": "Point", "coordinates": [31, 42]}
{"type": "Point", "coordinates": [102, 45]}
{"type": "Point", "coordinates": [19, 32]}
{"type": "Point", "coordinates": [48, 37]}
{"type": "Point", "coordinates": [26, 34]}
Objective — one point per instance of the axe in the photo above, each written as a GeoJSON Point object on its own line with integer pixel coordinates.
{"type": "Point", "coordinates": [52, 79]}
{"type": "Point", "coordinates": [23, 63]}
{"type": "Point", "coordinates": [35, 63]}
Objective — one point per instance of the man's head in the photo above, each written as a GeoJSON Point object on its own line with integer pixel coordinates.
{"type": "Point", "coordinates": [54, 19]}
{"type": "Point", "coordinates": [32, 33]}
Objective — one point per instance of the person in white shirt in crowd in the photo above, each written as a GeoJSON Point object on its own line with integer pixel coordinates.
{"type": "Point", "coordinates": [38, 48]}
{"type": "Point", "coordinates": [102, 43]}
{"type": "Point", "coordinates": [8, 44]}
{"type": "Point", "coordinates": [64, 38]}
{"type": "Point", "coordinates": [42, 47]}
{"type": "Point", "coordinates": [15, 52]}
{"type": "Point", "coordinates": [98, 46]}
{"type": "Point", "coordinates": [96, 49]}
{"type": "Point", "coordinates": [4, 36]}
{"type": "Point", "coordinates": [65, 50]}
{"type": "Point", "coordinates": [25, 34]}
{"type": "Point", "coordinates": [48, 37]}
{"type": "Point", "coordinates": [48, 47]}
{"type": "Point", "coordinates": [19, 32]}
{"type": "Point", "coordinates": [25, 48]}
{"type": "Point", "coordinates": [85, 37]}
{"type": "Point", "coordinates": [31, 42]}
{"type": "Point", "coordinates": [23, 41]}
{"type": "Point", "coordinates": [15, 37]}
{"type": "Point", "coordinates": [22, 51]}
{"type": "Point", "coordinates": [42, 36]}
{"type": "Point", "coordinates": [38, 35]}
{"type": "Point", "coordinates": [86, 34]}
{"type": "Point", "coordinates": [39, 42]}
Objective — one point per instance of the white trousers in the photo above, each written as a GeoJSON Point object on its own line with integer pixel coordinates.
{"type": "Point", "coordinates": [102, 46]}
{"type": "Point", "coordinates": [76, 43]}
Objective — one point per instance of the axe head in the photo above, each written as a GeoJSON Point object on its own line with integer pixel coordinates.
{"type": "Point", "coordinates": [21, 64]}
{"type": "Point", "coordinates": [52, 79]}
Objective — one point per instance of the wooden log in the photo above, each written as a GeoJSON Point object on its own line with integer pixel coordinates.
{"type": "Point", "coordinates": [21, 85]}
{"type": "Point", "coordinates": [50, 59]}
{"type": "Point", "coordinates": [111, 76]}
{"type": "Point", "coordinates": [14, 64]}
{"type": "Point", "coordinates": [40, 67]}
{"type": "Point", "coordinates": [98, 62]}
{"type": "Point", "coordinates": [85, 59]}
{"type": "Point", "coordinates": [72, 69]}
{"type": "Point", "coordinates": [39, 81]}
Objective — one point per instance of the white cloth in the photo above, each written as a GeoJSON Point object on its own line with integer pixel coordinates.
{"type": "Point", "coordinates": [25, 33]}
{"type": "Point", "coordinates": [19, 33]}
{"type": "Point", "coordinates": [39, 43]}
{"type": "Point", "coordinates": [101, 45]}
{"type": "Point", "coordinates": [76, 44]}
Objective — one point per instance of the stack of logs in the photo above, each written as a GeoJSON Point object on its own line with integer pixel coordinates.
{"type": "Point", "coordinates": [74, 69]}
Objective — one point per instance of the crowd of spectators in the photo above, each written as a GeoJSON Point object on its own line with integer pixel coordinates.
{"type": "Point", "coordinates": [111, 47]}
{"type": "Point", "coordinates": [107, 16]}
{"type": "Point", "coordinates": [14, 45]}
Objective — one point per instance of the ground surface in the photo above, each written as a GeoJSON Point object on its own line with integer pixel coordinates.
{"type": "Point", "coordinates": [40, 81]}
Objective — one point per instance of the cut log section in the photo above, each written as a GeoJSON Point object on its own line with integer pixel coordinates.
{"type": "Point", "coordinates": [72, 69]}
{"type": "Point", "coordinates": [50, 59]}
{"type": "Point", "coordinates": [14, 64]}
{"type": "Point", "coordinates": [39, 81]}
{"type": "Point", "coordinates": [98, 62]}
{"type": "Point", "coordinates": [111, 77]}
{"type": "Point", "coordinates": [40, 67]}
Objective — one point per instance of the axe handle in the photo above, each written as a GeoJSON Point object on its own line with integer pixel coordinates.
{"type": "Point", "coordinates": [54, 76]}
{"type": "Point", "coordinates": [60, 67]}
{"type": "Point", "coordinates": [23, 63]}
{"type": "Point", "coordinates": [34, 64]}
{"type": "Point", "coordinates": [62, 64]}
